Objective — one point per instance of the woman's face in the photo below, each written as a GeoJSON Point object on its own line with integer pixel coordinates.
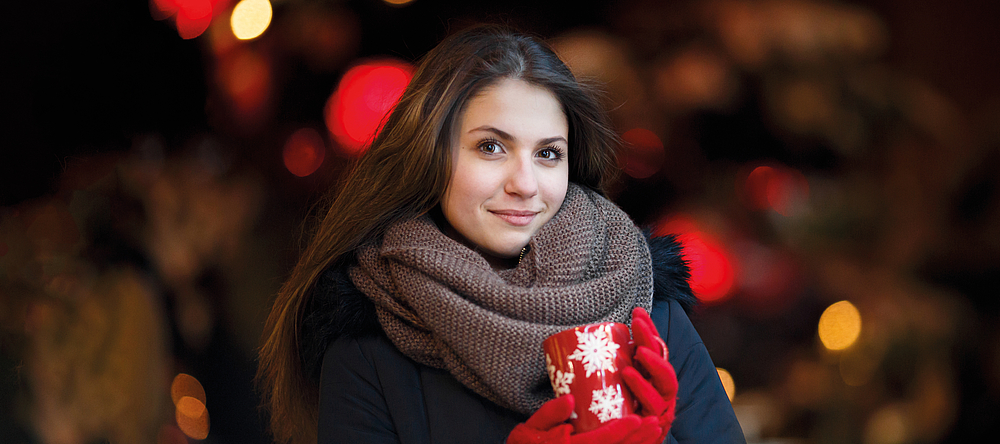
{"type": "Point", "coordinates": [510, 168]}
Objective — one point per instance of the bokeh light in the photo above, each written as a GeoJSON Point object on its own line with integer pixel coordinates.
{"type": "Point", "coordinates": [839, 325]}
{"type": "Point", "coordinates": [770, 277]}
{"type": "Point", "coordinates": [712, 268]}
{"type": "Point", "coordinates": [365, 95]}
{"type": "Point", "coordinates": [186, 385]}
{"type": "Point", "coordinates": [250, 18]}
{"type": "Point", "coordinates": [304, 152]}
{"type": "Point", "coordinates": [245, 78]}
{"type": "Point", "coordinates": [888, 425]}
{"type": "Point", "coordinates": [398, 2]}
{"type": "Point", "coordinates": [756, 187]}
{"type": "Point", "coordinates": [162, 9]}
{"type": "Point", "coordinates": [727, 382]}
{"type": "Point", "coordinates": [192, 417]}
{"type": "Point", "coordinates": [193, 17]}
{"type": "Point", "coordinates": [644, 153]}
{"type": "Point", "coordinates": [696, 77]}
{"type": "Point", "coordinates": [782, 189]}
{"type": "Point", "coordinates": [190, 17]}
{"type": "Point", "coordinates": [190, 408]}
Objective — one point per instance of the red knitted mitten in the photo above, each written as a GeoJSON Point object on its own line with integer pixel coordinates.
{"type": "Point", "coordinates": [547, 426]}
{"type": "Point", "coordinates": [657, 393]}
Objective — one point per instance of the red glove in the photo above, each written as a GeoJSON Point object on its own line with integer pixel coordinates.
{"type": "Point", "coordinates": [548, 426]}
{"type": "Point", "coordinates": [657, 393]}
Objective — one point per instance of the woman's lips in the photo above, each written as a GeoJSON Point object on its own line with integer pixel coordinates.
{"type": "Point", "coordinates": [516, 218]}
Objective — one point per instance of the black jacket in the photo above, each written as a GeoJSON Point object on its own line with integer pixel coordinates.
{"type": "Point", "coordinates": [372, 393]}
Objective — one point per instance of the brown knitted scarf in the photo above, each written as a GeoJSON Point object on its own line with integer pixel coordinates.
{"type": "Point", "coordinates": [442, 305]}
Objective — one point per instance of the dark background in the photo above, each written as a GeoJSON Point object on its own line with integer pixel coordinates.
{"type": "Point", "coordinates": [84, 81]}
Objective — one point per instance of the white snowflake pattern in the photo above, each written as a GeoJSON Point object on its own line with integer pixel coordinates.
{"type": "Point", "coordinates": [596, 350]}
{"type": "Point", "coordinates": [607, 403]}
{"type": "Point", "coordinates": [560, 380]}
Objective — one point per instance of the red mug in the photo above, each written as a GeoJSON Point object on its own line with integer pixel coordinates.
{"type": "Point", "coordinates": [587, 362]}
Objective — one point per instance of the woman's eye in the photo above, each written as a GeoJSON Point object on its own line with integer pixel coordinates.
{"type": "Point", "coordinates": [550, 153]}
{"type": "Point", "coordinates": [489, 147]}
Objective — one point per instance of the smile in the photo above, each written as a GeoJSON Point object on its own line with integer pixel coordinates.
{"type": "Point", "coordinates": [515, 218]}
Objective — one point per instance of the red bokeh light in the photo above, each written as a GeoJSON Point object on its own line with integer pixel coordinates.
{"type": "Point", "coordinates": [191, 17]}
{"type": "Point", "coordinates": [245, 77]}
{"type": "Point", "coordinates": [304, 152]}
{"type": "Point", "coordinates": [770, 278]}
{"type": "Point", "coordinates": [162, 9]}
{"type": "Point", "coordinates": [712, 267]}
{"type": "Point", "coordinates": [783, 189]}
{"type": "Point", "coordinates": [756, 187]}
{"type": "Point", "coordinates": [366, 93]}
{"type": "Point", "coordinates": [644, 153]}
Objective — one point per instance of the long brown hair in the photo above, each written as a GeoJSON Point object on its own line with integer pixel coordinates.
{"type": "Point", "coordinates": [403, 174]}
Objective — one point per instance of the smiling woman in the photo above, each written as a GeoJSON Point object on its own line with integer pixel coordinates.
{"type": "Point", "coordinates": [510, 172]}
{"type": "Point", "coordinates": [473, 228]}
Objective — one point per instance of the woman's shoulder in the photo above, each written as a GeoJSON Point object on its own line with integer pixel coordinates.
{"type": "Point", "coordinates": [336, 308]}
{"type": "Point", "coordinates": [670, 271]}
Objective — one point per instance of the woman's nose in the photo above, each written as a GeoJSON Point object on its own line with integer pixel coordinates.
{"type": "Point", "coordinates": [521, 178]}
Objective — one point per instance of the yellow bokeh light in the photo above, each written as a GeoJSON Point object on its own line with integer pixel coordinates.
{"type": "Point", "coordinates": [186, 385]}
{"type": "Point", "coordinates": [840, 325]}
{"type": "Point", "coordinates": [190, 407]}
{"type": "Point", "coordinates": [192, 417]}
{"type": "Point", "coordinates": [888, 425]}
{"type": "Point", "coordinates": [398, 2]}
{"type": "Point", "coordinates": [727, 382]}
{"type": "Point", "coordinates": [250, 18]}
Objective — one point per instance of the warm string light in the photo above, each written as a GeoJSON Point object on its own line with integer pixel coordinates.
{"type": "Point", "coordinates": [727, 382]}
{"type": "Point", "coordinates": [888, 425]}
{"type": "Point", "coordinates": [304, 152]}
{"type": "Point", "coordinates": [839, 326]}
{"type": "Point", "coordinates": [190, 17]}
{"type": "Point", "coordinates": [246, 79]}
{"type": "Point", "coordinates": [190, 409]}
{"type": "Point", "coordinates": [713, 271]}
{"type": "Point", "coordinates": [779, 188]}
{"type": "Point", "coordinates": [770, 276]}
{"type": "Point", "coordinates": [364, 96]}
{"type": "Point", "coordinates": [250, 18]}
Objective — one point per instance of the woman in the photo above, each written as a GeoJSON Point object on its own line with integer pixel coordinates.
{"type": "Point", "coordinates": [472, 228]}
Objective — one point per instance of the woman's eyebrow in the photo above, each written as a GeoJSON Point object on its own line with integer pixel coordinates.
{"type": "Point", "coordinates": [503, 134]}
{"type": "Point", "coordinates": [551, 140]}
{"type": "Point", "coordinates": [507, 136]}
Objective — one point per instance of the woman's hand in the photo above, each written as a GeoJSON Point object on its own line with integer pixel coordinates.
{"type": "Point", "coordinates": [657, 393]}
{"type": "Point", "coordinates": [548, 426]}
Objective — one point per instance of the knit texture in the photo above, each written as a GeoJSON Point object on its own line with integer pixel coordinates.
{"type": "Point", "coordinates": [442, 305]}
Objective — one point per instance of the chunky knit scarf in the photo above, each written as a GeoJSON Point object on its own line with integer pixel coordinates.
{"type": "Point", "coordinates": [442, 304]}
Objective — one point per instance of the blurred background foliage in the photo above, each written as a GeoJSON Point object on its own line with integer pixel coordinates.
{"type": "Point", "coordinates": [160, 160]}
